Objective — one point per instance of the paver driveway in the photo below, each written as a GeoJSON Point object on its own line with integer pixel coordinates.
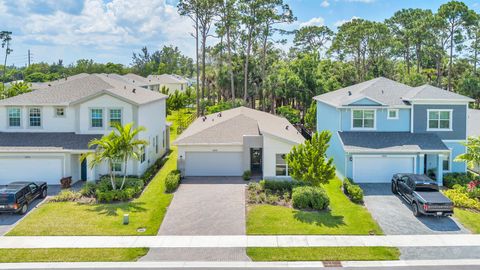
{"type": "Point", "coordinates": [204, 206]}
{"type": "Point", "coordinates": [207, 206]}
{"type": "Point", "coordinates": [395, 216]}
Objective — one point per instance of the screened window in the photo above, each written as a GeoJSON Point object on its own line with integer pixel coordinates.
{"type": "Point", "coordinates": [363, 119]}
{"type": "Point", "coordinates": [143, 154]}
{"type": "Point", "coordinates": [96, 120]}
{"type": "Point", "coordinates": [60, 112]}
{"type": "Point", "coordinates": [115, 116]}
{"type": "Point", "coordinates": [14, 117]}
{"type": "Point", "coordinates": [439, 119]}
{"type": "Point", "coordinates": [35, 117]}
{"type": "Point", "coordinates": [281, 168]}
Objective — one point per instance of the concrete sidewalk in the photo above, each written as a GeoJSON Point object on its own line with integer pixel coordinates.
{"type": "Point", "coordinates": [236, 241]}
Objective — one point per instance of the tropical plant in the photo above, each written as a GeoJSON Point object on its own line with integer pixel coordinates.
{"type": "Point", "coordinates": [472, 155]}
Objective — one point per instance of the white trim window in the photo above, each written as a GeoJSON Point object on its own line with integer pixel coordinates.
{"type": "Point", "coordinates": [392, 114]}
{"type": "Point", "coordinates": [96, 118]}
{"type": "Point", "coordinates": [117, 167]}
{"type": "Point", "coordinates": [14, 117]}
{"type": "Point", "coordinates": [59, 111]}
{"type": "Point", "coordinates": [143, 154]}
{"type": "Point", "coordinates": [281, 167]}
{"type": "Point", "coordinates": [115, 116]}
{"type": "Point", "coordinates": [363, 119]}
{"type": "Point", "coordinates": [34, 117]}
{"type": "Point", "coordinates": [439, 120]}
{"type": "Point", "coordinates": [446, 162]}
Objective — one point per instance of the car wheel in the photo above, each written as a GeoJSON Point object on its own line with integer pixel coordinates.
{"type": "Point", "coordinates": [416, 211]}
{"type": "Point", "coordinates": [24, 209]}
{"type": "Point", "coordinates": [44, 193]}
{"type": "Point", "coordinates": [394, 189]}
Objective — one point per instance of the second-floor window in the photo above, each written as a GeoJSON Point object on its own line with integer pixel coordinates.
{"type": "Point", "coordinates": [96, 118]}
{"type": "Point", "coordinates": [115, 116]}
{"type": "Point", "coordinates": [363, 119]}
{"type": "Point", "coordinates": [35, 117]}
{"type": "Point", "coordinates": [439, 119]}
{"type": "Point", "coordinates": [14, 117]}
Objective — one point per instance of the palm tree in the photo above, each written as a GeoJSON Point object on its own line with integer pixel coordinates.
{"type": "Point", "coordinates": [127, 144]}
{"type": "Point", "coordinates": [472, 155]}
{"type": "Point", "coordinates": [106, 150]}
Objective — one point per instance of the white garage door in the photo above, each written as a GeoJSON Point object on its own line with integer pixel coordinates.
{"type": "Point", "coordinates": [48, 170]}
{"type": "Point", "coordinates": [380, 169]}
{"type": "Point", "coordinates": [213, 164]}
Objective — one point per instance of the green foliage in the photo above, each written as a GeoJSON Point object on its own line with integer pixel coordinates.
{"type": "Point", "coordinates": [308, 162]}
{"type": "Point", "coordinates": [172, 181]}
{"type": "Point", "coordinates": [461, 199]}
{"type": "Point", "coordinates": [247, 175]}
{"type": "Point", "coordinates": [472, 155]}
{"type": "Point", "coordinates": [15, 89]}
{"type": "Point", "coordinates": [66, 195]}
{"type": "Point", "coordinates": [292, 115]}
{"type": "Point", "coordinates": [223, 106]}
{"type": "Point", "coordinates": [104, 191]}
{"type": "Point", "coordinates": [89, 189]}
{"type": "Point", "coordinates": [354, 192]}
{"type": "Point", "coordinates": [280, 185]}
{"type": "Point", "coordinates": [311, 117]}
{"type": "Point", "coordinates": [308, 197]}
{"type": "Point", "coordinates": [452, 179]}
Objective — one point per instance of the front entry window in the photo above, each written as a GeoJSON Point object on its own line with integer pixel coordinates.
{"type": "Point", "coordinates": [281, 168]}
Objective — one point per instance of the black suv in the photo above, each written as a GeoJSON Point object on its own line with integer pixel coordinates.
{"type": "Point", "coordinates": [16, 196]}
{"type": "Point", "coordinates": [422, 194]}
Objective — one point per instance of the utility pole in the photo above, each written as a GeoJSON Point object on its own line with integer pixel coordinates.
{"type": "Point", "coordinates": [28, 57]}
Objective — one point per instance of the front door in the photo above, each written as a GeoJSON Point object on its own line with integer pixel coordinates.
{"type": "Point", "coordinates": [256, 160]}
{"type": "Point", "coordinates": [83, 170]}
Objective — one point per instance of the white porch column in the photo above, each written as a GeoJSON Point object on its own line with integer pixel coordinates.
{"type": "Point", "coordinates": [440, 169]}
{"type": "Point", "coordinates": [421, 163]}
{"type": "Point", "coordinates": [90, 171]}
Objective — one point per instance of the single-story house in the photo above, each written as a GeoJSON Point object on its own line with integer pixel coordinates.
{"type": "Point", "coordinates": [231, 142]}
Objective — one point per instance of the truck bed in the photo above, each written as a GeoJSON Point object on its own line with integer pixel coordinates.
{"type": "Point", "coordinates": [435, 197]}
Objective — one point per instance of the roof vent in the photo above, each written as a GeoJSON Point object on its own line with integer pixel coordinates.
{"type": "Point", "coordinates": [134, 90]}
{"type": "Point", "coordinates": [383, 92]}
{"type": "Point", "coordinates": [219, 114]}
{"type": "Point", "coordinates": [124, 87]}
{"type": "Point", "coordinates": [286, 127]}
{"type": "Point", "coordinates": [349, 93]}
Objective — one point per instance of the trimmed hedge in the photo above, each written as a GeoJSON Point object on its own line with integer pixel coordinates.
{"type": "Point", "coordinates": [172, 181]}
{"type": "Point", "coordinates": [354, 192]}
{"type": "Point", "coordinates": [105, 193]}
{"type": "Point", "coordinates": [281, 185]}
{"type": "Point", "coordinates": [308, 197]}
{"type": "Point", "coordinates": [461, 199]}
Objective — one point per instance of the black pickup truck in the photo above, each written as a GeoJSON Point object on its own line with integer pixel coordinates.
{"type": "Point", "coordinates": [422, 194]}
{"type": "Point", "coordinates": [16, 196]}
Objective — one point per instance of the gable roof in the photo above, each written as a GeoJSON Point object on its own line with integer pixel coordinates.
{"type": "Point", "coordinates": [229, 127]}
{"type": "Point", "coordinates": [387, 93]}
{"type": "Point", "coordinates": [137, 79]}
{"type": "Point", "coordinates": [167, 78]}
{"type": "Point", "coordinates": [84, 87]}
{"type": "Point", "coordinates": [41, 85]}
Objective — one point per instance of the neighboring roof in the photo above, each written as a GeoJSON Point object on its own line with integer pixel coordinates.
{"type": "Point", "coordinates": [428, 92]}
{"type": "Point", "coordinates": [390, 142]}
{"type": "Point", "coordinates": [167, 78]}
{"type": "Point", "coordinates": [229, 127]}
{"type": "Point", "coordinates": [41, 85]}
{"type": "Point", "coordinates": [137, 79]}
{"type": "Point", "coordinates": [44, 141]}
{"type": "Point", "coordinates": [81, 88]}
{"type": "Point", "coordinates": [473, 122]}
{"type": "Point", "coordinates": [387, 92]}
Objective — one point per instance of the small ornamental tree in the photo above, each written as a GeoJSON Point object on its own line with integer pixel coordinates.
{"type": "Point", "coordinates": [472, 156]}
{"type": "Point", "coordinates": [308, 162]}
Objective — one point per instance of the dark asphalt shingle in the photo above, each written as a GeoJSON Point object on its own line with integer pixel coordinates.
{"type": "Point", "coordinates": [45, 140]}
{"type": "Point", "coordinates": [391, 142]}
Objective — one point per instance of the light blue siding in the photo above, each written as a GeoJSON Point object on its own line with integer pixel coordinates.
{"type": "Point", "coordinates": [382, 121]}
{"type": "Point", "coordinates": [457, 149]}
{"type": "Point", "coordinates": [328, 118]}
{"type": "Point", "coordinates": [366, 101]}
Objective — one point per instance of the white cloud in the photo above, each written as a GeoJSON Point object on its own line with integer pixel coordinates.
{"type": "Point", "coordinates": [325, 3]}
{"type": "Point", "coordinates": [339, 23]}
{"type": "Point", "coordinates": [318, 21]}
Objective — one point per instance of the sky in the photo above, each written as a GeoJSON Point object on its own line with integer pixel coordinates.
{"type": "Point", "coordinates": [111, 30]}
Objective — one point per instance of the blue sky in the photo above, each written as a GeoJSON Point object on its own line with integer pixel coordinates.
{"type": "Point", "coordinates": [110, 30]}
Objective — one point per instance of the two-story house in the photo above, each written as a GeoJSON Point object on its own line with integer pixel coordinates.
{"type": "Point", "coordinates": [43, 133]}
{"type": "Point", "coordinates": [381, 127]}
{"type": "Point", "coordinates": [170, 81]}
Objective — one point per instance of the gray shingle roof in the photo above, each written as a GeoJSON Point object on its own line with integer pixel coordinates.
{"type": "Point", "coordinates": [473, 123]}
{"type": "Point", "coordinates": [387, 92]}
{"type": "Point", "coordinates": [390, 142]}
{"type": "Point", "coordinates": [44, 141]}
{"type": "Point", "coordinates": [83, 87]}
{"type": "Point", "coordinates": [138, 80]}
{"type": "Point", "coordinates": [167, 78]}
{"type": "Point", "coordinates": [232, 125]}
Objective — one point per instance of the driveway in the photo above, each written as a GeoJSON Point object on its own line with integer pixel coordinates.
{"type": "Point", "coordinates": [204, 206]}
{"type": "Point", "coordinates": [8, 221]}
{"type": "Point", "coordinates": [395, 217]}
{"type": "Point", "coordinates": [207, 206]}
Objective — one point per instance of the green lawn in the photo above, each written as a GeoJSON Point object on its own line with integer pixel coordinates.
{"type": "Point", "coordinates": [69, 218]}
{"type": "Point", "coordinates": [71, 255]}
{"type": "Point", "coordinates": [469, 219]}
{"type": "Point", "coordinates": [324, 254]}
{"type": "Point", "coordinates": [344, 217]}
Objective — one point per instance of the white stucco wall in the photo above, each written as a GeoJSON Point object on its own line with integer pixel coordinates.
{"type": "Point", "coordinates": [49, 121]}
{"type": "Point", "coordinates": [272, 146]}
{"type": "Point", "coordinates": [174, 86]}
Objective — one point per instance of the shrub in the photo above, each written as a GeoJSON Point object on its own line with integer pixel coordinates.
{"type": "Point", "coordinates": [172, 181]}
{"type": "Point", "coordinates": [281, 185]}
{"type": "Point", "coordinates": [461, 199]}
{"type": "Point", "coordinates": [451, 179]}
{"type": "Point", "coordinates": [152, 170]}
{"type": "Point", "coordinates": [308, 197]}
{"type": "Point", "coordinates": [247, 175]}
{"type": "Point", "coordinates": [105, 193]}
{"type": "Point", "coordinates": [88, 190]}
{"type": "Point", "coordinates": [66, 196]}
{"type": "Point", "coordinates": [354, 192]}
